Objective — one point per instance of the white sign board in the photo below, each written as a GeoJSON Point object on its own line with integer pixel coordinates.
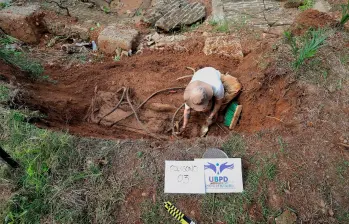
{"type": "Point", "coordinates": [184, 177]}
{"type": "Point", "coordinates": [223, 175]}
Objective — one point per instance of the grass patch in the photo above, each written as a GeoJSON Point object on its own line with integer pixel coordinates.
{"type": "Point", "coordinates": [235, 146]}
{"type": "Point", "coordinates": [223, 27]}
{"type": "Point", "coordinates": [4, 93]}
{"type": "Point", "coordinates": [345, 14]}
{"type": "Point", "coordinates": [305, 47]}
{"type": "Point", "coordinates": [237, 208]}
{"type": "Point", "coordinates": [307, 4]}
{"type": "Point", "coordinates": [21, 61]}
{"type": "Point", "coordinates": [58, 181]}
{"type": "Point", "coordinates": [18, 58]}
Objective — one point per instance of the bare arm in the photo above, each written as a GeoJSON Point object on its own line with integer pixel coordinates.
{"type": "Point", "coordinates": [186, 117]}
{"type": "Point", "coordinates": [217, 106]}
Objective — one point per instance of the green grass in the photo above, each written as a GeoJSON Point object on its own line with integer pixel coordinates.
{"type": "Point", "coordinates": [345, 14]}
{"type": "Point", "coordinates": [223, 27]}
{"type": "Point", "coordinates": [4, 93]}
{"type": "Point", "coordinates": [235, 146]}
{"type": "Point", "coordinates": [305, 47]}
{"type": "Point", "coordinates": [57, 181]}
{"type": "Point", "coordinates": [21, 61]}
{"type": "Point", "coordinates": [235, 207]}
{"type": "Point", "coordinates": [307, 4]}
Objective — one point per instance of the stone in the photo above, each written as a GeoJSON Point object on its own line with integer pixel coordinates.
{"type": "Point", "coordinates": [287, 217]}
{"type": "Point", "coordinates": [63, 27]}
{"type": "Point", "coordinates": [322, 6]}
{"type": "Point", "coordinates": [113, 38]}
{"type": "Point", "coordinates": [171, 14]}
{"type": "Point", "coordinates": [228, 46]}
{"type": "Point", "coordinates": [217, 11]}
{"type": "Point", "coordinates": [23, 22]}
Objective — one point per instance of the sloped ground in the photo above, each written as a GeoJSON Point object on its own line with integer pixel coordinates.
{"type": "Point", "coordinates": [290, 137]}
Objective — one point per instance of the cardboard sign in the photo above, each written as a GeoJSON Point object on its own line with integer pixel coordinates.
{"type": "Point", "coordinates": [184, 177]}
{"type": "Point", "coordinates": [223, 175]}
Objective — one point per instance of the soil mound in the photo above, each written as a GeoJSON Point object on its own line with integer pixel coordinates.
{"type": "Point", "coordinates": [312, 19]}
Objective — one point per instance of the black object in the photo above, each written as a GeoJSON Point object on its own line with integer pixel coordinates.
{"type": "Point", "coordinates": [7, 158]}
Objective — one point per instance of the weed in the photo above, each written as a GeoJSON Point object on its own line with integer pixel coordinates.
{"type": "Point", "coordinates": [139, 154]}
{"type": "Point", "coordinates": [117, 58]}
{"type": "Point", "coordinates": [4, 93]}
{"type": "Point", "coordinates": [4, 5]}
{"type": "Point", "coordinates": [270, 171]}
{"type": "Point", "coordinates": [20, 60]}
{"type": "Point", "coordinates": [282, 144]}
{"type": "Point", "coordinates": [307, 4]}
{"type": "Point", "coordinates": [150, 213]}
{"type": "Point", "coordinates": [139, 12]}
{"type": "Point", "coordinates": [235, 208]}
{"type": "Point", "coordinates": [51, 182]}
{"type": "Point", "coordinates": [324, 74]}
{"type": "Point", "coordinates": [223, 27]}
{"type": "Point", "coordinates": [339, 84]}
{"type": "Point", "coordinates": [313, 40]}
{"type": "Point", "coordinates": [343, 169]}
{"type": "Point", "coordinates": [6, 39]}
{"type": "Point", "coordinates": [345, 14]}
{"type": "Point", "coordinates": [213, 22]}
{"type": "Point", "coordinates": [291, 40]}
{"type": "Point", "coordinates": [106, 9]}
{"type": "Point", "coordinates": [235, 146]}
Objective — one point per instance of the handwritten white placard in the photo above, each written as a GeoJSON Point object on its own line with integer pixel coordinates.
{"type": "Point", "coordinates": [184, 177]}
{"type": "Point", "coordinates": [223, 175]}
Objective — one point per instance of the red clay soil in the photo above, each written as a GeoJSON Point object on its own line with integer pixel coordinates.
{"type": "Point", "coordinates": [311, 19]}
{"type": "Point", "coordinates": [266, 96]}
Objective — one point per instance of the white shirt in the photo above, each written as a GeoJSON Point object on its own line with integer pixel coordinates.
{"type": "Point", "coordinates": [212, 77]}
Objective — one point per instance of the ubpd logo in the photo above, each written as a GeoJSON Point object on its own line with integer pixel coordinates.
{"type": "Point", "coordinates": [218, 169]}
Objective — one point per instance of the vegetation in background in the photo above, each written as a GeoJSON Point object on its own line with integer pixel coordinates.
{"type": "Point", "coordinates": [306, 47]}
{"type": "Point", "coordinates": [18, 58]}
{"type": "Point", "coordinates": [345, 14]}
{"type": "Point", "coordinates": [307, 4]}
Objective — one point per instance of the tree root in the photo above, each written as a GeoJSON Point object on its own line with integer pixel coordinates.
{"type": "Point", "coordinates": [139, 121]}
{"type": "Point", "coordinates": [119, 103]}
{"type": "Point", "coordinates": [173, 118]}
{"type": "Point", "coordinates": [152, 95]}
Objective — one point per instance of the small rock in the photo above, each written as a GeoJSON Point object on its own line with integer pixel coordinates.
{"type": "Point", "coordinates": [156, 37]}
{"type": "Point", "coordinates": [149, 43]}
{"type": "Point", "coordinates": [192, 213]}
{"type": "Point", "coordinates": [287, 217]}
{"type": "Point", "coordinates": [113, 37]}
{"type": "Point", "coordinates": [144, 194]}
{"type": "Point", "coordinates": [345, 141]}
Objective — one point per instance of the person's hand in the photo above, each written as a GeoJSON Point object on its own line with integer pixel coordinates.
{"type": "Point", "coordinates": [209, 121]}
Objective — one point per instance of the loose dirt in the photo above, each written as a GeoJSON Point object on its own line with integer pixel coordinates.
{"type": "Point", "coordinates": [312, 19]}
{"type": "Point", "coordinates": [266, 97]}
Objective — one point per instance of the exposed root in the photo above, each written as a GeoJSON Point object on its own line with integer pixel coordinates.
{"type": "Point", "coordinates": [119, 103]}
{"type": "Point", "coordinates": [152, 95]}
{"type": "Point", "coordinates": [139, 121]}
{"type": "Point", "coordinates": [173, 118]}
